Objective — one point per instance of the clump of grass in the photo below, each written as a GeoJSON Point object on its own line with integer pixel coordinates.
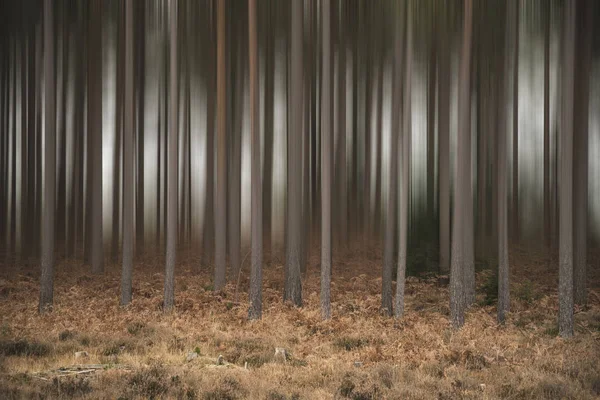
{"type": "Point", "coordinates": [228, 389]}
{"type": "Point", "coordinates": [24, 348]}
{"type": "Point", "coordinates": [176, 344]}
{"type": "Point", "coordinates": [350, 343]}
{"type": "Point", "coordinates": [252, 351]}
{"type": "Point", "coordinates": [149, 383]}
{"type": "Point", "coordinates": [275, 395]}
{"type": "Point", "coordinates": [135, 327]}
{"type": "Point", "coordinates": [66, 335]}
{"type": "Point", "coordinates": [71, 387]}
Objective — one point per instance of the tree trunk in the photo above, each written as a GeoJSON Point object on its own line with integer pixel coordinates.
{"type": "Point", "coordinates": [119, 116]}
{"type": "Point", "coordinates": [405, 151]}
{"type": "Point", "coordinates": [293, 283]}
{"type": "Point", "coordinates": [461, 187]}
{"type": "Point", "coordinates": [268, 129]}
{"type": "Point", "coordinates": [47, 260]}
{"type": "Point", "coordinates": [95, 134]}
{"type": "Point", "coordinates": [565, 270]}
{"type": "Point", "coordinates": [502, 182]}
{"type": "Point", "coordinates": [128, 167]}
{"type": "Point", "coordinates": [340, 159]}
{"type": "Point", "coordinates": [221, 214]}
{"type": "Point", "coordinates": [173, 160]}
{"type": "Point", "coordinates": [140, 76]}
{"type": "Point", "coordinates": [515, 155]}
{"type": "Point", "coordinates": [547, 194]}
{"type": "Point", "coordinates": [390, 218]}
{"type": "Point", "coordinates": [326, 149]}
{"type": "Point", "coordinates": [255, 311]}
{"type": "Point", "coordinates": [580, 149]}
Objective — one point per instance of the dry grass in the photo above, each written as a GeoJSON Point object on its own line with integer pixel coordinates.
{"type": "Point", "coordinates": [359, 354]}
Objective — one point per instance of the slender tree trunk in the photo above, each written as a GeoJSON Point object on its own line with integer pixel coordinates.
{"type": "Point", "coordinates": [580, 150]}
{"type": "Point", "coordinates": [47, 276]}
{"type": "Point", "coordinates": [95, 134]}
{"type": "Point", "coordinates": [515, 178]}
{"type": "Point", "coordinates": [173, 160]}
{"type": "Point", "coordinates": [128, 167]}
{"type": "Point", "coordinates": [269, 111]}
{"type": "Point", "coordinates": [444, 146]}
{"type": "Point", "coordinates": [140, 86]}
{"type": "Point", "coordinates": [326, 149]}
{"type": "Point", "coordinates": [121, 54]}
{"type": "Point", "coordinates": [461, 187]}
{"type": "Point", "coordinates": [405, 151]}
{"type": "Point", "coordinates": [340, 159]}
{"type": "Point", "coordinates": [221, 214]}
{"type": "Point", "coordinates": [391, 216]}
{"type": "Point", "coordinates": [293, 283]}
{"type": "Point", "coordinates": [431, 86]}
{"type": "Point", "coordinates": [547, 194]}
{"type": "Point", "coordinates": [565, 270]}
{"type": "Point", "coordinates": [502, 182]}
{"type": "Point", "coordinates": [255, 311]}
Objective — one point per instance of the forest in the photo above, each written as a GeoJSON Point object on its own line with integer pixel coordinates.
{"type": "Point", "coordinates": [300, 199]}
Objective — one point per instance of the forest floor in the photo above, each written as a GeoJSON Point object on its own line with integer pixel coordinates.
{"type": "Point", "coordinates": [139, 352]}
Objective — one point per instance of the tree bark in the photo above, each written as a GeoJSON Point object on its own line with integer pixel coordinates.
{"type": "Point", "coordinates": [128, 167]}
{"type": "Point", "coordinates": [444, 146]}
{"type": "Point", "coordinates": [326, 149]}
{"type": "Point", "coordinates": [95, 134]}
{"type": "Point", "coordinates": [565, 269]}
{"type": "Point", "coordinates": [255, 311]}
{"type": "Point", "coordinates": [293, 283]}
{"type": "Point", "coordinates": [173, 160]}
{"type": "Point", "coordinates": [47, 259]}
{"type": "Point", "coordinates": [515, 155]}
{"type": "Point", "coordinates": [580, 150]}
{"type": "Point", "coordinates": [405, 150]}
{"type": "Point", "coordinates": [221, 214]}
{"type": "Point", "coordinates": [461, 187]}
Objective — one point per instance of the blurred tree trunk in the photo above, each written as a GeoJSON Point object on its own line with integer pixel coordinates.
{"type": "Point", "coordinates": [128, 167]}
{"type": "Point", "coordinates": [444, 82]}
{"type": "Point", "coordinates": [95, 133]}
{"type": "Point", "coordinates": [461, 187]}
{"type": "Point", "coordinates": [547, 190]}
{"type": "Point", "coordinates": [340, 159]}
{"type": "Point", "coordinates": [431, 87]}
{"type": "Point", "coordinates": [47, 259]}
{"type": "Point", "coordinates": [391, 216]}
{"type": "Point", "coordinates": [221, 214]}
{"type": "Point", "coordinates": [255, 311]}
{"type": "Point", "coordinates": [565, 279]}
{"type": "Point", "coordinates": [580, 149]}
{"type": "Point", "coordinates": [61, 209]}
{"type": "Point", "coordinates": [268, 128]}
{"type": "Point", "coordinates": [140, 86]}
{"type": "Point", "coordinates": [119, 116]}
{"type": "Point", "coordinates": [405, 150]}
{"type": "Point", "coordinates": [293, 282]}
{"type": "Point", "coordinates": [515, 155]}
{"type": "Point", "coordinates": [173, 159]}
{"type": "Point", "coordinates": [326, 150]}
{"type": "Point", "coordinates": [209, 217]}
{"type": "Point", "coordinates": [502, 171]}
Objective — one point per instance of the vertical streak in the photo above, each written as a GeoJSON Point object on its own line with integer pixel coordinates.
{"type": "Point", "coordinates": [326, 148]}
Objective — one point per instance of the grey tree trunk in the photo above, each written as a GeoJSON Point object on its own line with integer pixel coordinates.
{"type": "Point", "coordinates": [444, 146]}
{"type": "Point", "coordinates": [128, 167]}
{"type": "Point", "coordinates": [515, 155]}
{"type": "Point", "coordinates": [119, 115]}
{"type": "Point", "coordinates": [140, 80]}
{"type": "Point", "coordinates": [340, 159]}
{"type": "Point", "coordinates": [565, 268]}
{"type": "Point", "coordinates": [47, 259]}
{"type": "Point", "coordinates": [461, 187]}
{"type": "Point", "coordinates": [221, 214]}
{"type": "Point", "coordinates": [95, 133]}
{"type": "Point", "coordinates": [405, 150]}
{"type": "Point", "coordinates": [255, 311]}
{"type": "Point", "coordinates": [547, 190]}
{"type": "Point", "coordinates": [580, 149]}
{"type": "Point", "coordinates": [293, 282]}
{"type": "Point", "coordinates": [173, 163]}
{"type": "Point", "coordinates": [502, 182]}
{"type": "Point", "coordinates": [326, 149]}
{"type": "Point", "coordinates": [390, 218]}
